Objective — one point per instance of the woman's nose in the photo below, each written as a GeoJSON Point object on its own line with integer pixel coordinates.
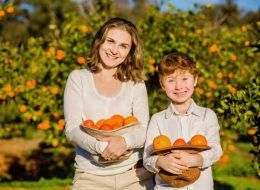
{"type": "Point", "coordinates": [114, 49]}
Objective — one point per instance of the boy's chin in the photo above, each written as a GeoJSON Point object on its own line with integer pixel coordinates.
{"type": "Point", "coordinates": [179, 102]}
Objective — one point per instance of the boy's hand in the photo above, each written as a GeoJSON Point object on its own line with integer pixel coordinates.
{"type": "Point", "coordinates": [191, 160]}
{"type": "Point", "coordinates": [171, 164]}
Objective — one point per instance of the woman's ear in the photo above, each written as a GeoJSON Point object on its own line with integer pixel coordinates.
{"type": "Point", "coordinates": [196, 80]}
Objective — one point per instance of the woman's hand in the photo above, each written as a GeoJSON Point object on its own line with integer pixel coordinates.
{"type": "Point", "coordinates": [171, 163]}
{"type": "Point", "coordinates": [116, 147]}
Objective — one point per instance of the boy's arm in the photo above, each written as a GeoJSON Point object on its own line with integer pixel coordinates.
{"type": "Point", "coordinates": [191, 160]}
{"type": "Point", "coordinates": [155, 163]}
{"type": "Point", "coordinates": [212, 134]}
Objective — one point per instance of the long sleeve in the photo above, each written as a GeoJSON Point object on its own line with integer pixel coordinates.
{"type": "Point", "coordinates": [212, 135]}
{"type": "Point", "coordinates": [136, 138]}
{"type": "Point", "coordinates": [152, 132]}
{"type": "Point", "coordinates": [73, 109]}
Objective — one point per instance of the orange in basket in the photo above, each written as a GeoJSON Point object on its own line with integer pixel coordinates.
{"type": "Point", "coordinates": [89, 123]}
{"type": "Point", "coordinates": [99, 123]}
{"type": "Point", "coordinates": [106, 127]}
{"type": "Point", "coordinates": [161, 141]}
{"type": "Point", "coordinates": [130, 119]}
{"type": "Point", "coordinates": [179, 142]}
{"type": "Point", "coordinates": [119, 119]}
{"type": "Point", "coordinates": [198, 140]}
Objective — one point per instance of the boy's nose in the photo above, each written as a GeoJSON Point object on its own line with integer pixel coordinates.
{"type": "Point", "coordinates": [178, 84]}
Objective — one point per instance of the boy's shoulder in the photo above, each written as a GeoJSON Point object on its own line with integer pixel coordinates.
{"type": "Point", "coordinates": [204, 111]}
{"type": "Point", "coordinates": [160, 114]}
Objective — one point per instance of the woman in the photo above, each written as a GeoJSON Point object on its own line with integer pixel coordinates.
{"type": "Point", "coordinates": [111, 84]}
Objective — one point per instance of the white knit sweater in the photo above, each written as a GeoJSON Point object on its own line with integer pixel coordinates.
{"type": "Point", "coordinates": [81, 98]}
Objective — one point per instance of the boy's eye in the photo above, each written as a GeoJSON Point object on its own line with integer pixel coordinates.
{"type": "Point", "coordinates": [170, 80]}
{"type": "Point", "coordinates": [185, 78]}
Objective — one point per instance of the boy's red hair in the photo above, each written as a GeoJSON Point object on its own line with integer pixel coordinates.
{"type": "Point", "coordinates": [177, 61]}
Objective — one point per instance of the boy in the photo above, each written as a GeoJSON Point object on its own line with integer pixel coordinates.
{"type": "Point", "coordinates": [182, 119]}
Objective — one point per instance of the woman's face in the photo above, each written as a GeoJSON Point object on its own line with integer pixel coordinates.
{"type": "Point", "coordinates": [115, 48]}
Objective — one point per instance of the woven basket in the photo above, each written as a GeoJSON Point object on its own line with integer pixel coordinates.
{"type": "Point", "coordinates": [119, 131]}
{"type": "Point", "coordinates": [184, 179]}
{"type": "Point", "coordinates": [189, 176]}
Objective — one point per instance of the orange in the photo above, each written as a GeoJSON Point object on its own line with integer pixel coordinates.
{"type": "Point", "coordinates": [251, 132]}
{"type": "Point", "coordinates": [219, 75]}
{"type": "Point", "coordinates": [179, 142]}
{"type": "Point", "coordinates": [130, 119]}
{"type": "Point", "coordinates": [10, 10]}
{"type": "Point", "coordinates": [109, 121]}
{"type": "Point", "coordinates": [224, 159]}
{"type": "Point", "coordinates": [161, 141]}
{"type": "Point", "coordinates": [119, 119]}
{"type": "Point", "coordinates": [23, 108]}
{"type": "Point", "coordinates": [54, 90]}
{"type": "Point", "coordinates": [232, 90]}
{"type": "Point", "coordinates": [214, 48]}
{"type": "Point", "coordinates": [233, 57]}
{"type": "Point", "coordinates": [81, 60]}
{"type": "Point", "coordinates": [231, 148]}
{"type": "Point", "coordinates": [222, 133]}
{"type": "Point", "coordinates": [99, 123]}
{"type": "Point", "coordinates": [85, 29]}
{"type": "Point", "coordinates": [208, 94]}
{"type": "Point", "coordinates": [151, 61]}
{"type": "Point", "coordinates": [61, 124]}
{"type": "Point", "coordinates": [243, 28]}
{"type": "Point", "coordinates": [198, 140]}
{"type": "Point", "coordinates": [89, 123]}
{"type": "Point", "coordinates": [106, 127]}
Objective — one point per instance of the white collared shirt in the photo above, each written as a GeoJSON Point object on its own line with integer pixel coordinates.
{"type": "Point", "coordinates": [199, 120]}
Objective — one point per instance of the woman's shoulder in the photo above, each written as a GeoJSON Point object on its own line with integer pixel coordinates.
{"type": "Point", "coordinates": [136, 84]}
{"type": "Point", "coordinates": [80, 73]}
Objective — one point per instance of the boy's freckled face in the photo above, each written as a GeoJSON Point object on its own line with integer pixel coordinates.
{"type": "Point", "coordinates": [179, 86]}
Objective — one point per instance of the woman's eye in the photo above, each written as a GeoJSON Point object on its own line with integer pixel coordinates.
{"type": "Point", "coordinates": [123, 46]}
{"type": "Point", "coordinates": [110, 41]}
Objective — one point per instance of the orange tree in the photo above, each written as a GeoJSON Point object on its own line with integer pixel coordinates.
{"type": "Point", "coordinates": [241, 112]}
{"type": "Point", "coordinates": [33, 77]}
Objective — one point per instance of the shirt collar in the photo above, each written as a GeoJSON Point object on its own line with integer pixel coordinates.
{"type": "Point", "coordinates": [194, 109]}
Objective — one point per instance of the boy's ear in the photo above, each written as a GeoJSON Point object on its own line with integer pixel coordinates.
{"type": "Point", "coordinates": [196, 80]}
{"type": "Point", "coordinates": [161, 83]}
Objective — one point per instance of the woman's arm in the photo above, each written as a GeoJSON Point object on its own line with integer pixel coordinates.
{"type": "Point", "coordinates": [73, 110]}
{"type": "Point", "coordinates": [136, 138]}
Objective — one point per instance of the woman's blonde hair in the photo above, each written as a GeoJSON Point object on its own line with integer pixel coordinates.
{"type": "Point", "coordinates": [132, 67]}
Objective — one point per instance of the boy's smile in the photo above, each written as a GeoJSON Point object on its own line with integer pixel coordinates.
{"type": "Point", "coordinates": [179, 86]}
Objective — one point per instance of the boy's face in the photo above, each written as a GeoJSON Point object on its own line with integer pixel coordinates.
{"type": "Point", "coordinates": [179, 86]}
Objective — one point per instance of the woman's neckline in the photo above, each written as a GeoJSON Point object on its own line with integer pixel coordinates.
{"type": "Point", "coordinates": [102, 95]}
